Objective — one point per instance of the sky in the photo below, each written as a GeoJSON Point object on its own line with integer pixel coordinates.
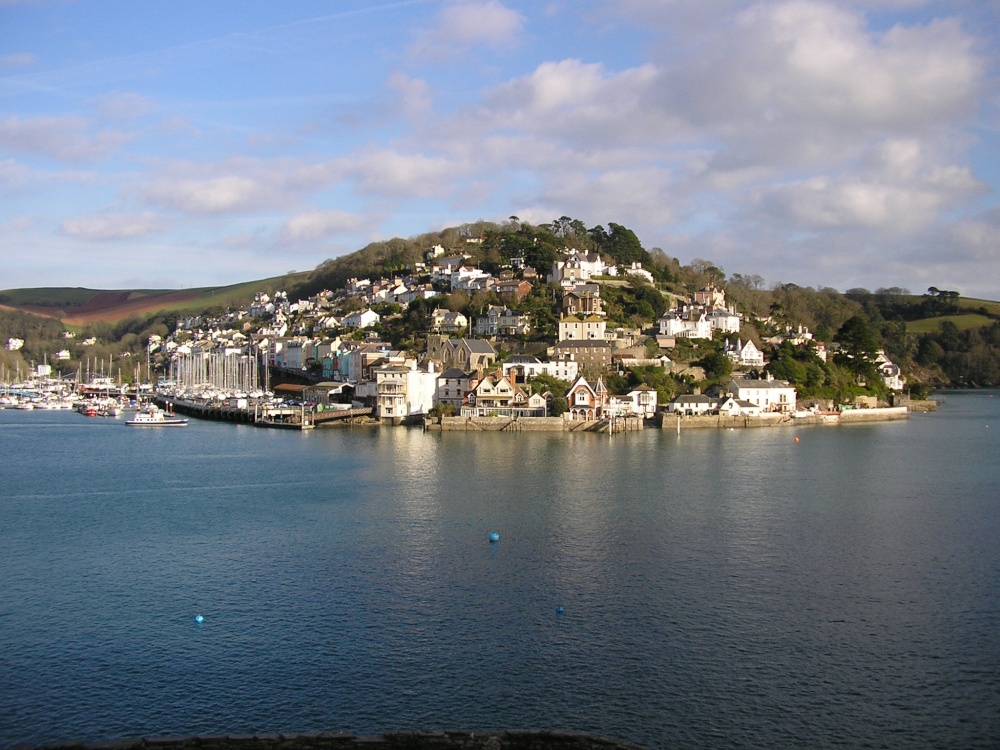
{"type": "Point", "coordinates": [175, 144]}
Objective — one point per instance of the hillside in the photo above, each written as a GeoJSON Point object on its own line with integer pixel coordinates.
{"type": "Point", "coordinates": [77, 307]}
{"type": "Point", "coordinates": [938, 338]}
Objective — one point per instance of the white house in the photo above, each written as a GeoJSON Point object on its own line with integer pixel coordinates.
{"type": "Point", "coordinates": [686, 323]}
{"type": "Point", "coordinates": [733, 407]}
{"type": "Point", "coordinates": [770, 395]}
{"type": "Point", "coordinates": [470, 279]}
{"type": "Point", "coordinates": [744, 354]}
{"type": "Point", "coordinates": [402, 391]}
{"type": "Point", "coordinates": [724, 320]}
{"type": "Point", "coordinates": [636, 269]}
{"type": "Point", "coordinates": [693, 405]}
{"type": "Point", "coordinates": [892, 376]}
{"type": "Point", "coordinates": [362, 319]}
{"type": "Point", "coordinates": [578, 267]}
{"type": "Point", "coordinates": [641, 401]}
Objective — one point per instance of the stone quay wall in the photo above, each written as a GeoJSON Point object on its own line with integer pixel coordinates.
{"type": "Point", "coordinates": [722, 422]}
{"type": "Point", "coordinates": [510, 424]}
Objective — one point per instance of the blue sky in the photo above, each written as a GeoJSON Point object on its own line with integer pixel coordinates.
{"type": "Point", "coordinates": [822, 142]}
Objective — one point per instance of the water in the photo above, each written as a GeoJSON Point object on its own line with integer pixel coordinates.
{"type": "Point", "coordinates": [723, 589]}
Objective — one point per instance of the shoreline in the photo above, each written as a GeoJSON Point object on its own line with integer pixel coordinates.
{"type": "Point", "coordinates": [632, 423]}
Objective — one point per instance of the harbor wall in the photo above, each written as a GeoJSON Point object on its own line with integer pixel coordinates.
{"type": "Point", "coordinates": [721, 422]}
{"type": "Point", "coordinates": [532, 424]}
{"type": "Point", "coordinates": [510, 424]}
{"type": "Point", "coordinates": [874, 415]}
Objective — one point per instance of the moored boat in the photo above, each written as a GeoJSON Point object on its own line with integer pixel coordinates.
{"type": "Point", "coordinates": [154, 416]}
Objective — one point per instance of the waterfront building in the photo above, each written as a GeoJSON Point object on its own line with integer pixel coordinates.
{"type": "Point", "coordinates": [453, 385]}
{"type": "Point", "coordinates": [770, 395]}
{"type": "Point", "coordinates": [641, 401]}
{"type": "Point", "coordinates": [892, 376]}
{"type": "Point", "coordinates": [587, 402]}
{"type": "Point", "coordinates": [696, 404]}
{"type": "Point", "coordinates": [496, 396]}
{"type": "Point", "coordinates": [399, 391]}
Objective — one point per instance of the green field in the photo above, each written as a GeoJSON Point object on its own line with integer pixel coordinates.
{"type": "Point", "coordinates": [968, 303]}
{"type": "Point", "coordinates": [67, 301]}
{"type": "Point", "coordinates": [962, 322]}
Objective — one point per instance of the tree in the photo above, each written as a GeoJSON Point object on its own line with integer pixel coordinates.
{"type": "Point", "coordinates": [624, 246]}
{"type": "Point", "coordinates": [859, 345]}
{"type": "Point", "coordinates": [717, 366]}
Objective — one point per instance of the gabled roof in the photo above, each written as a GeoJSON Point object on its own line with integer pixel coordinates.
{"type": "Point", "coordinates": [747, 383]}
{"type": "Point", "coordinates": [455, 373]}
{"type": "Point", "coordinates": [694, 399]}
{"type": "Point", "coordinates": [479, 346]}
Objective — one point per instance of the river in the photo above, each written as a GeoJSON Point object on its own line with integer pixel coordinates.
{"type": "Point", "coordinates": [717, 589]}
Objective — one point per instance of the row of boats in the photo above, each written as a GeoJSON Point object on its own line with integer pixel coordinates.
{"type": "Point", "coordinates": [142, 415]}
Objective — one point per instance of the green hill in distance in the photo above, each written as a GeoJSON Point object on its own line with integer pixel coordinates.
{"type": "Point", "coordinates": [77, 306]}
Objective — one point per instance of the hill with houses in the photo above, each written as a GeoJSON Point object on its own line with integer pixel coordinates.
{"type": "Point", "coordinates": [555, 318]}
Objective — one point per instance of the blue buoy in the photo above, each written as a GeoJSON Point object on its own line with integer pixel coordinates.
{"type": "Point", "coordinates": [199, 618]}
{"type": "Point", "coordinates": [559, 610]}
{"type": "Point", "coordinates": [494, 537]}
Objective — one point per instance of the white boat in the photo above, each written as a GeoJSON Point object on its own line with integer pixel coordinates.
{"type": "Point", "coordinates": [154, 416]}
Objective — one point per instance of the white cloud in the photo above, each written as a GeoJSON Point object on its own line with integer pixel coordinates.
{"type": "Point", "coordinates": [467, 24]}
{"type": "Point", "coordinates": [18, 224]}
{"type": "Point", "coordinates": [113, 226]}
{"type": "Point", "coordinates": [315, 225]}
{"type": "Point", "coordinates": [413, 95]}
{"type": "Point", "coordinates": [65, 138]}
{"type": "Point", "coordinates": [581, 103]}
{"type": "Point", "coordinates": [124, 105]}
{"type": "Point", "coordinates": [391, 173]}
{"type": "Point", "coordinates": [236, 186]}
{"type": "Point", "coordinates": [17, 60]}
{"type": "Point", "coordinates": [210, 195]}
{"type": "Point", "coordinates": [804, 82]}
{"type": "Point", "coordinates": [13, 176]}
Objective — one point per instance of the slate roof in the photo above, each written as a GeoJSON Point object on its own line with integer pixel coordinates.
{"type": "Point", "coordinates": [479, 346]}
{"type": "Point", "coordinates": [454, 373]}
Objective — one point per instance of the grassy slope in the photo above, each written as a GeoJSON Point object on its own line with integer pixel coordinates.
{"type": "Point", "coordinates": [79, 307]}
{"type": "Point", "coordinates": [963, 322]}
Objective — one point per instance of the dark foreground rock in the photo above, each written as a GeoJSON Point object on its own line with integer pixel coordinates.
{"type": "Point", "coordinates": [341, 741]}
